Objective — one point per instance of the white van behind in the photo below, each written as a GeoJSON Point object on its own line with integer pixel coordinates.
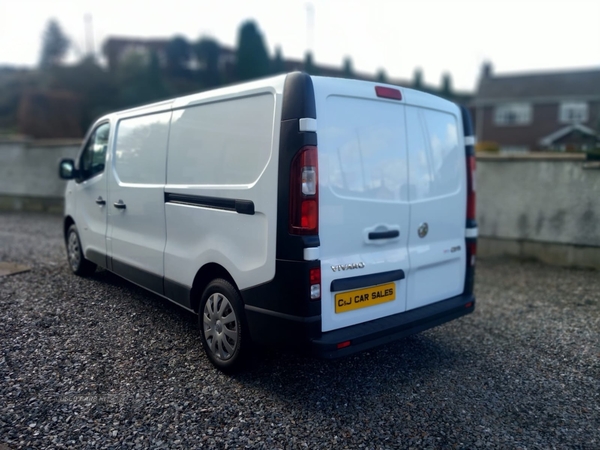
{"type": "Point", "coordinates": [324, 214]}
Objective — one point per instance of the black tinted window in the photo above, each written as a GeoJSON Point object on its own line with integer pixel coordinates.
{"type": "Point", "coordinates": [94, 155]}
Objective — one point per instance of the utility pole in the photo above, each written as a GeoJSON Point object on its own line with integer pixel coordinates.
{"type": "Point", "coordinates": [89, 35]}
{"type": "Point", "coordinates": [310, 25]}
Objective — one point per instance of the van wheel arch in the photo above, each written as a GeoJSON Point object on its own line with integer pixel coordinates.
{"type": "Point", "coordinates": [67, 224]}
{"type": "Point", "coordinates": [205, 275]}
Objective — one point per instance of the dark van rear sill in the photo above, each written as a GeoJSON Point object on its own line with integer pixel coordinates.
{"type": "Point", "coordinates": [375, 333]}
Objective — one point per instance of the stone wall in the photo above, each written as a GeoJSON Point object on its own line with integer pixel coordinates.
{"type": "Point", "coordinates": [544, 206]}
{"type": "Point", "coordinates": [29, 173]}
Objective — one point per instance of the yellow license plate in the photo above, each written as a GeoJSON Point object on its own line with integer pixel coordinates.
{"type": "Point", "coordinates": [361, 298]}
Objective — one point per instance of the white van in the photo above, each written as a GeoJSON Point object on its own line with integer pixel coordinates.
{"type": "Point", "coordinates": [327, 214]}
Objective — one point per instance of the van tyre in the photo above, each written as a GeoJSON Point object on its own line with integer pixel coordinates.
{"type": "Point", "coordinates": [77, 262]}
{"type": "Point", "coordinates": [222, 329]}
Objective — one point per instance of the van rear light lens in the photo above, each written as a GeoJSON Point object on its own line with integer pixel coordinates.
{"type": "Point", "coordinates": [471, 198]}
{"type": "Point", "coordinates": [304, 192]}
{"type": "Point", "coordinates": [471, 206]}
{"type": "Point", "coordinates": [315, 291]}
{"type": "Point", "coordinates": [344, 344]}
{"type": "Point", "coordinates": [387, 92]}
{"type": "Point", "coordinates": [309, 216]}
{"type": "Point", "coordinates": [309, 180]}
{"type": "Point", "coordinates": [315, 283]}
{"type": "Point", "coordinates": [472, 167]}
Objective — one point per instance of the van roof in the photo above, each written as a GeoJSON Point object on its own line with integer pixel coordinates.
{"type": "Point", "coordinates": [409, 96]}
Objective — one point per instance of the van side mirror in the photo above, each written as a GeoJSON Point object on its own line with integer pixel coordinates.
{"type": "Point", "coordinates": [66, 169]}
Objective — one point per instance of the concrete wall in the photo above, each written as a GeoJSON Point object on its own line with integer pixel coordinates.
{"type": "Point", "coordinates": [544, 206]}
{"type": "Point", "coordinates": [29, 173]}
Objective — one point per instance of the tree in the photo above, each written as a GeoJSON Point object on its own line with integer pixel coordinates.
{"type": "Point", "coordinates": [381, 76]}
{"type": "Point", "coordinates": [309, 65]}
{"type": "Point", "coordinates": [140, 80]}
{"type": "Point", "coordinates": [418, 79]}
{"type": "Point", "coordinates": [49, 114]}
{"type": "Point", "coordinates": [277, 65]}
{"type": "Point", "coordinates": [178, 52]}
{"type": "Point", "coordinates": [252, 57]}
{"type": "Point", "coordinates": [348, 72]}
{"type": "Point", "coordinates": [92, 84]}
{"type": "Point", "coordinates": [156, 87]}
{"type": "Point", "coordinates": [54, 45]}
{"type": "Point", "coordinates": [208, 51]}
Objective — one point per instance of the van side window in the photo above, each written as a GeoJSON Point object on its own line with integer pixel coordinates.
{"type": "Point", "coordinates": [140, 150]}
{"type": "Point", "coordinates": [434, 155]}
{"type": "Point", "coordinates": [93, 158]}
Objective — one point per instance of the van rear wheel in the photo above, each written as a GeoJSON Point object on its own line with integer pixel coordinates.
{"type": "Point", "coordinates": [77, 262]}
{"type": "Point", "coordinates": [223, 332]}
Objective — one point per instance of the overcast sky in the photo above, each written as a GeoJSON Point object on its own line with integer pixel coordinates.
{"type": "Point", "coordinates": [437, 35]}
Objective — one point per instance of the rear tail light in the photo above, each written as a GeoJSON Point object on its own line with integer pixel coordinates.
{"type": "Point", "coordinates": [343, 344]}
{"type": "Point", "coordinates": [471, 187]}
{"type": "Point", "coordinates": [471, 200]}
{"type": "Point", "coordinates": [315, 283]}
{"type": "Point", "coordinates": [387, 92]}
{"type": "Point", "coordinates": [304, 192]}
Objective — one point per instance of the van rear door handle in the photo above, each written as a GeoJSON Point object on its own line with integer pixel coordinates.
{"type": "Point", "coordinates": [100, 201]}
{"type": "Point", "coordinates": [120, 205]}
{"type": "Point", "coordinates": [387, 234]}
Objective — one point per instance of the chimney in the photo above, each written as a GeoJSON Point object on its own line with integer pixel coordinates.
{"type": "Point", "coordinates": [486, 69]}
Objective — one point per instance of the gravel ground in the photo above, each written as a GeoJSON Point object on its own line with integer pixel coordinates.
{"type": "Point", "coordinates": [100, 363]}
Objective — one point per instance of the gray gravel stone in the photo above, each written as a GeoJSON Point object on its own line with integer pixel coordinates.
{"type": "Point", "coordinates": [101, 363]}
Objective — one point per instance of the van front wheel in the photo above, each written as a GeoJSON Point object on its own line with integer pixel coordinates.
{"type": "Point", "coordinates": [223, 332]}
{"type": "Point", "coordinates": [79, 265]}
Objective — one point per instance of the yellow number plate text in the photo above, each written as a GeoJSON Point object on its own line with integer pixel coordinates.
{"type": "Point", "coordinates": [347, 301]}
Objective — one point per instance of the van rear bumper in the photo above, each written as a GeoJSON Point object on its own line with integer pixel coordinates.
{"type": "Point", "coordinates": [382, 331]}
{"type": "Point", "coordinates": [304, 333]}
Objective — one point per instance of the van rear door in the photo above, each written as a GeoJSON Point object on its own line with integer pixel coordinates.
{"type": "Point", "coordinates": [437, 196]}
{"type": "Point", "coordinates": [363, 202]}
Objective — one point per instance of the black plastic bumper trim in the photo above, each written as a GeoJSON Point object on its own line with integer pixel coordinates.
{"type": "Point", "coordinates": [228, 204]}
{"type": "Point", "coordinates": [148, 280]}
{"type": "Point", "coordinates": [345, 284]}
{"type": "Point", "coordinates": [96, 257]}
{"type": "Point", "coordinates": [177, 292]}
{"type": "Point", "coordinates": [280, 315]}
{"type": "Point", "coordinates": [391, 328]}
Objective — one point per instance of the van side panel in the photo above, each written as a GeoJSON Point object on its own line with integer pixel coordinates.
{"type": "Point", "coordinates": [220, 200]}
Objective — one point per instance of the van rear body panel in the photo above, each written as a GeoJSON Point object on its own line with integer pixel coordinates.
{"type": "Point", "coordinates": [393, 170]}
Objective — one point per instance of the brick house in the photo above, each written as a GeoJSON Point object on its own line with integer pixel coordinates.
{"type": "Point", "coordinates": [542, 111]}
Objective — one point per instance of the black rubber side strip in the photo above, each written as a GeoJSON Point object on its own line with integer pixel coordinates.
{"type": "Point", "coordinates": [227, 204]}
{"type": "Point", "coordinates": [345, 284]}
{"type": "Point", "coordinates": [384, 234]}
